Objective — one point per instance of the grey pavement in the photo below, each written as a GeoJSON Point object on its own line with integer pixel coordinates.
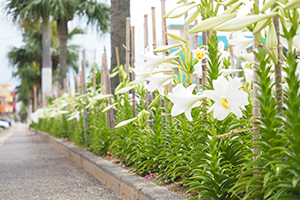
{"type": "Point", "coordinates": [33, 169]}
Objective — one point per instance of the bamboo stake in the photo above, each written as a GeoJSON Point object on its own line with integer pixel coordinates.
{"type": "Point", "coordinates": [153, 28]}
{"type": "Point", "coordinates": [230, 47]}
{"type": "Point", "coordinates": [186, 28]}
{"type": "Point", "coordinates": [118, 61]}
{"type": "Point", "coordinates": [65, 85]}
{"type": "Point", "coordinates": [53, 95]}
{"type": "Point", "coordinates": [102, 76]}
{"type": "Point", "coordinates": [117, 53]}
{"type": "Point", "coordinates": [255, 103]}
{"type": "Point", "coordinates": [204, 42]}
{"type": "Point", "coordinates": [127, 46]}
{"type": "Point", "coordinates": [165, 38]}
{"type": "Point", "coordinates": [34, 98]}
{"type": "Point", "coordinates": [94, 72]}
{"type": "Point", "coordinates": [85, 123]}
{"type": "Point", "coordinates": [278, 75]}
{"type": "Point", "coordinates": [108, 90]}
{"type": "Point", "coordinates": [146, 40]}
{"type": "Point", "coordinates": [146, 43]}
{"type": "Point", "coordinates": [76, 82]}
{"type": "Point", "coordinates": [132, 64]}
{"type": "Point", "coordinates": [69, 84]}
{"type": "Point", "coordinates": [59, 91]}
{"type": "Point", "coordinates": [76, 91]}
{"type": "Point", "coordinates": [80, 82]}
{"type": "Point", "coordinates": [196, 36]}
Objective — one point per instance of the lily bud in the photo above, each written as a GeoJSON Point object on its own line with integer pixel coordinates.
{"type": "Point", "coordinates": [294, 4]}
{"type": "Point", "coordinates": [166, 47]}
{"type": "Point", "coordinates": [181, 11]}
{"type": "Point", "coordinates": [272, 43]}
{"type": "Point", "coordinates": [180, 1]}
{"type": "Point", "coordinates": [176, 37]}
{"type": "Point", "coordinates": [232, 9]}
{"type": "Point", "coordinates": [240, 23]}
{"type": "Point", "coordinates": [154, 102]}
{"type": "Point", "coordinates": [212, 22]}
{"type": "Point", "coordinates": [109, 108]}
{"type": "Point", "coordinates": [191, 17]}
{"type": "Point", "coordinates": [230, 2]}
{"type": "Point", "coordinates": [124, 123]}
{"type": "Point", "coordinates": [169, 13]}
{"type": "Point", "coordinates": [267, 5]}
{"type": "Point", "coordinates": [260, 25]}
{"type": "Point", "coordinates": [125, 89]}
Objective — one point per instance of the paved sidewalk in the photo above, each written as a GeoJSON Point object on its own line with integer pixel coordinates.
{"type": "Point", "coordinates": [33, 169]}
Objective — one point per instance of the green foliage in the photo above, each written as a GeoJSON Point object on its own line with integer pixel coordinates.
{"type": "Point", "coordinates": [214, 61]}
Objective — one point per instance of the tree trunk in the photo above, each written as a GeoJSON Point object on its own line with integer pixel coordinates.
{"type": "Point", "coordinates": [62, 32]}
{"type": "Point", "coordinates": [119, 10]}
{"type": "Point", "coordinates": [46, 61]}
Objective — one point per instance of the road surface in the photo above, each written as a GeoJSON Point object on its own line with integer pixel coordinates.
{"type": "Point", "coordinates": [33, 169]}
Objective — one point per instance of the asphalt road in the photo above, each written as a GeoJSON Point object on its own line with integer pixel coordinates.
{"type": "Point", "coordinates": [33, 169]}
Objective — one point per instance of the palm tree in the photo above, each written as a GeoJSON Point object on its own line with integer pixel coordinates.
{"type": "Point", "coordinates": [30, 11]}
{"type": "Point", "coordinates": [28, 58]}
{"type": "Point", "coordinates": [64, 11]}
{"type": "Point", "coordinates": [119, 10]}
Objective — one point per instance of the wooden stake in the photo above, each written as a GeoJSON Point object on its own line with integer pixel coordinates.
{"type": "Point", "coordinates": [146, 43]}
{"type": "Point", "coordinates": [230, 47]}
{"type": "Point", "coordinates": [76, 82]}
{"type": "Point", "coordinates": [108, 91]}
{"type": "Point", "coordinates": [153, 28]}
{"type": "Point", "coordinates": [127, 46]}
{"type": "Point", "coordinates": [255, 103]}
{"type": "Point", "coordinates": [132, 64]}
{"type": "Point", "coordinates": [34, 98]}
{"type": "Point", "coordinates": [94, 72]}
{"type": "Point", "coordinates": [117, 53]}
{"type": "Point", "coordinates": [196, 36]}
{"type": "Point", "coordinates": [146, 40]}
{"type": "Point", "coordinates": [278, 75]}
{"type": "Point", "coordinates": [165, 38]}
{"type": "Point", "coordinates": [102, 76]}
{"type": "Point", "coordinates": [186, 27]}
{"type": "Point", "coordinates": [65, 85]}
{"type": "Point", "coordinates": [69, 83]}
{"type": "Point", "coordinates": [53, 95]}
{"type": "Point", "coordinates": [204, 42]}
{"type": "Point", "coordinates": [85, 122]}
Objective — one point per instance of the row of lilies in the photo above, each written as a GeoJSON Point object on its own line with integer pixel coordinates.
{"type": "Point", "coordinates": [223, 125]}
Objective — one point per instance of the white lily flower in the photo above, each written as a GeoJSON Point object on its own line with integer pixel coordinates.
{"type": "Point", "coordinates": [200, 54]}
{"type": "Point", "coordinates": [245, 9]}
{"type": "Point", "coordinates": [158, 81]}
{"type": "Point", "coordinates": [198, 69]}
{"type": "Point", "coordinates": [227, 96]}
{"type": "Point", "coordinates": [36, 115]}
{"type": "Point", "coordinates": [240, 43]}
{"type": "Point", "coordinates": [154, 60]}
{"type": "Point", "coordinates": [141, 74]}
{"type": "Point", "coordinates": [221, 49]}
{"type": "Point", "coordinates": [248, 56]}
{"type": "Point", "coordinates": [184, 100]}
{"type": "Point", "coordinates": [248, 71]}
{"type": "Point", "coordinates": [296, 42]}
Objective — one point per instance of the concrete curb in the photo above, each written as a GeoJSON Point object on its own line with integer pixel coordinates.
{"type": "Point", "coordinates": [125, 185]}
